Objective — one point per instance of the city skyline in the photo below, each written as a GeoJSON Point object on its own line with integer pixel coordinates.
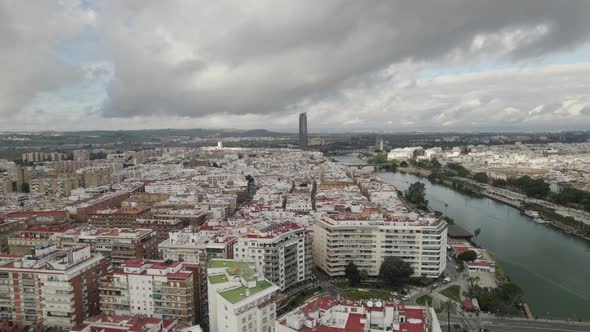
{"type": "Point", "coordinates": [474, 65]}
{"type": "Point", "coordinates": [294, 166]}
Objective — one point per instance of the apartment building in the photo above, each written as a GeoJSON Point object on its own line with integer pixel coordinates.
{"type": "Point", "coordinates": [339, 239]}
{"type": "Point", "coordinates": [117, 244]}
{"type": "Point", "coordinates": [160, 289]}
{"type": "Point", "coordinates": [282, 251]}
{"type": "Point", "coordinates": [117, 218]}
{"type": "Point", "coordinates": [239, 297]}
{"type": "Point", "coordinates": [198, 246]}
{"type": "Point", "coordinates": [24, 241]}
{"type": "Point", "coordinates": [52, 287]}
{"type": "Point", "coordinates": [162, 226]}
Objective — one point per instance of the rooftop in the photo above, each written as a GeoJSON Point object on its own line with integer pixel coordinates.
{"type": "Point", "coordinates": [238, 294]}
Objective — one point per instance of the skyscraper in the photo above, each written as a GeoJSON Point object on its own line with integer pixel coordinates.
{"type": "Point", "coordinates": [302, 130]}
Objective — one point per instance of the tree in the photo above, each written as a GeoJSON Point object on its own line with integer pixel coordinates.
{"type": "Point", "coordinates": [416, 193]}
{"type": "Point", "coordinates": [511, 292]}
{"type": "Point", "coordinates": [364, 274]}
{"type": "Point", "coordinates": [378, 158]}
{"type": "Point", "coordinates": [395, 271]}
{"type": "Point", "coordinates": [450, 307]}
{"type": "Point", "coordinates": [353, 274]}
{"type": "Point", "coordinates": [531, 187]}
{"type": "Point", "coordinates": [573, 196]}
{"type": "Point", "coordinates": [458, 169]}
{"type": "Point", "coordinates": [435, 164]}
{"type": "Point", "coordinates": [249, 178]}
{"type": "Point", "coordinates": [449, 220]}
{"type": "Point", "coordinates": [476, 232]}
{"type": "Point", "coordinates": [468, 256]}
{"type": "Point", "coordinates": [499, 183]}
{"type": "Point", "coordinates": [473, 281]}
{"type": "Point", "coordinates": [481, 177]}
{"type": "Point", "coordinates": [403, 164]}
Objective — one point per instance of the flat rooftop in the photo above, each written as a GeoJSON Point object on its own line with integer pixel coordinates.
{"type": "Point", "coordinates": [238, 294]}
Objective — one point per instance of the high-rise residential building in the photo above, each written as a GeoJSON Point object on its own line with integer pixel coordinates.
{"type": "Point", "coordinates": [303, 130]}
{"type": "Point", "coordinates": [338, 240]}
{"type": "Point", "coordinates": [240, 298]}
{"type": "Point", "coordinates": [281, 251]}
{"type": "Point", "coordinates": [52, 287]}
{"type": "Point", "coordinates": [161, 289]}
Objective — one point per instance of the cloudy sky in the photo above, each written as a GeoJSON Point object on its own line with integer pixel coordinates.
{"type": "Point", "coordinates": [352, 65]}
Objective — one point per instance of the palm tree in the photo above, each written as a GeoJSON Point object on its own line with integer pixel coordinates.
{"type": "Point", "coordinates": [449, 306]}
{"type": "Point", "coordinates": [473, 281]}
{"type": "Point", "coordinates": [476, 233]}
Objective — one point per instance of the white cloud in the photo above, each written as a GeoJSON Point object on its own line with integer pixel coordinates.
{"type": "Point", "coordinates": [256, 63]}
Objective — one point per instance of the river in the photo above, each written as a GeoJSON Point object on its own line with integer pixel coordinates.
{"type": "Point", "coordinates": [552, 267]}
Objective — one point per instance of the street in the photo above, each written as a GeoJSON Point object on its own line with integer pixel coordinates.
{"type": "Point", "coordinates": [459, 323]}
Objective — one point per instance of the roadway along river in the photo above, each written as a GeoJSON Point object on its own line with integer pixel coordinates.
{"type": "Point", "coordinates": [552, 267]}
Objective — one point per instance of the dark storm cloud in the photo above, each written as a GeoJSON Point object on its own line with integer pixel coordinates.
{"type": "Point", "coordinates": [191, 58]}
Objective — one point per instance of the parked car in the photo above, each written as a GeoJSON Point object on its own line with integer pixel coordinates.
{"type": "Point", "coordinates": [450, 259]}
{"type": "Point", "coordinates": [406, 297]}
{"type": "Point", "coordinates": [446, 280]}
{"type": "Point", "coordinates": [433, 286]}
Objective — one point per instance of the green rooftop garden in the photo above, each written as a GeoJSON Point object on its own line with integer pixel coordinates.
{"type": "Point", "coordinates": [234, 268]}
{"type": "Point", "coordinates": [238, 294]}
{"type": "Point", "coordinates": [218, 263]}
{"type": "Point", "coordinates": [217, 279]}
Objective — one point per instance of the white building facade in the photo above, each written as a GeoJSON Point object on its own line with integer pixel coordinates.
{"type": "Point", "coordinates": [421, 243]}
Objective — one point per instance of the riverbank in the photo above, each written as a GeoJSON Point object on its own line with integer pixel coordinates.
{"type": "Point", "coordinates": [415, 170]}
{"type": "Point", "coordinates": [543, 260]}
{"type": "Point", "coordinates": [567, 224]}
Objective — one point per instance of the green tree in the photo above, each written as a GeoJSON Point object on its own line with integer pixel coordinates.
{"type": "Point", "coordinates": [473, 281]}
{"type": "Point", "coordinates": [458, 169]}
{"type": "Point", "coordinates": [499, 183]}
{"type": "Point", "coordinates": [403, 164]}
{"type": "Point", "coordinates": [449, 306]}
{"type": "Point", "coordinates": [481, 177]}
{"type": "Point", "coordinates": [364, 274]}
{"type": "Point", "coordinates": [435, 164]}
{"type": "Point", "coordinates": [511, 292]}
{"type": "Point", "coordinates": [353, 274]}
{"type": "Point", "coordinates": [416, 194]}
{"type": "Point", "coordinates": [537, 188]}
{"type": "Point", "coordinates": [395, 271]}
{"type": "Point", "coordinates": [378, 158]}
{"type": "Point", "coordinates": [476, 232]}
{"type": "Point", "coordinates": [449, 220]}
{"type": "Point", "coordinates": [573, 196]}
{"type": "Point", "coordinates": [468, 256]}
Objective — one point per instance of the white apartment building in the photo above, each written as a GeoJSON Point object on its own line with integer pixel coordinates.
{"type": "Point", "coordinates": [240, 298]}
{"type": "Point", "coordinates": [196, 246]}
{"type": "Point", "coordinates": [282, 251]}
{"type": "Point", "coordinates": [340, 239]}
{"type": "Point", "coordinates": [404, 153]}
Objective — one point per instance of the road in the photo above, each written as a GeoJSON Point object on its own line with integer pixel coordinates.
{"type": "Point", "coordinates": [459, 323]}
